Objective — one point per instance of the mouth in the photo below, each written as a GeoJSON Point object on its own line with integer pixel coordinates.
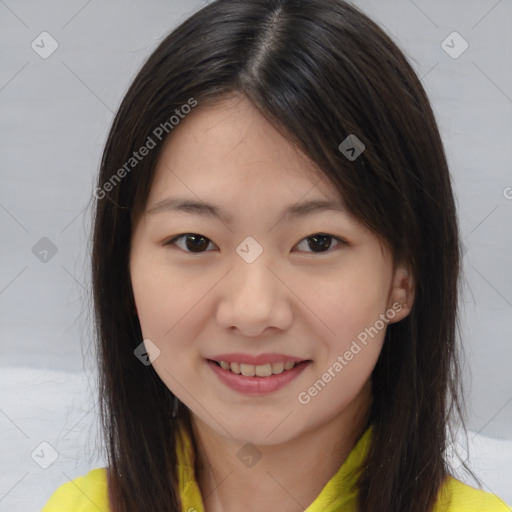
{"type": "Point", "coordinates": [262, 370]}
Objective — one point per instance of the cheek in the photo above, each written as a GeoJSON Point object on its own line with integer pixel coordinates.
{"type": "Point", "coordinates": [346, 303]}
{"type": "Point", "coordinates": [350, 338]}
{"type": "Point", "coordinates": [168, 308]}
{"type": "Point", "coordinates": [164, 298]}
{"type": "Point", "coordinates": [350, 334]}
{"type": "Point", "coordinates": [173, 309]}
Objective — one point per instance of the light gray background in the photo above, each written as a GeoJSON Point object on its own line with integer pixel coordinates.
{"type": "Point", "coordinates": [55, 117]}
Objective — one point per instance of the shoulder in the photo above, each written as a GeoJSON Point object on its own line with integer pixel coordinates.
{"type": "Point", "coordinates": [456, 496]}
{"type": "Point", "coordinates": [86, 493]}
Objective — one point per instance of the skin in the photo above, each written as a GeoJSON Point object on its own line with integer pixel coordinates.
{"type": "Point", "coordinates": [293, 299]}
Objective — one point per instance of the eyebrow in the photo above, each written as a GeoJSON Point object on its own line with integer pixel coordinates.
{"type": "Point", "coordinates": [202, 208]}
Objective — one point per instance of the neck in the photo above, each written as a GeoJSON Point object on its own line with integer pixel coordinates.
{"type": "Point", "coordinates": [288, 476]}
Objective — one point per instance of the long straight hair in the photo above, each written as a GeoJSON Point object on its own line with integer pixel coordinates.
{"type": "Point", "coordinates": [319, 71]}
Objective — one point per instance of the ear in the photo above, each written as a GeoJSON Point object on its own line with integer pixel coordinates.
{"type": "Point", "coordinates": [401, 295]}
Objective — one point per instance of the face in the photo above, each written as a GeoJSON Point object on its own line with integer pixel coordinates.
{"type": "Point", "coordinates": [246, 278]}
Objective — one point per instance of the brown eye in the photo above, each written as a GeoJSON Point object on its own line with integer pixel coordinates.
{"type": "Point", "coordinates": [320, 242]}
{"type": "Point", "coordinates": [193, 242]}
{"type": "Point", "coordinates": [196, 243]}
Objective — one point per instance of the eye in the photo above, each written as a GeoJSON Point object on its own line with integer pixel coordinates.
{"type": "Point", "coordinates": [321, 241]}
{"type": "Point", "coordinates": [194, 242]}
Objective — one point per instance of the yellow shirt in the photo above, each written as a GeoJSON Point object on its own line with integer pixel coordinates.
{"type": "Point", "coordinates": [89, 493]}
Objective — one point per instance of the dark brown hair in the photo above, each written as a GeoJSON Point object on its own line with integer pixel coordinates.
{"type": "Point", "coordinates": [318, 70]}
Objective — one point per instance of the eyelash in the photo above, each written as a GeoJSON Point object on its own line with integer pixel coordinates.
{"type": "Point", "coordinates": [172, 241]}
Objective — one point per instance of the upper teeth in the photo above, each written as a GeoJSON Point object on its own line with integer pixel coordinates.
{"type": "Point", "coordinates": [261, 370]}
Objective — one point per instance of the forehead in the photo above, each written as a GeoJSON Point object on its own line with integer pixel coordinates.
{"type": "Point", "coordinates": [230, 145]}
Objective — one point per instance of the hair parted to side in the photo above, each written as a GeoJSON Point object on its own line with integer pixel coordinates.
{"type": "Point", "coordinates": [319, 70]}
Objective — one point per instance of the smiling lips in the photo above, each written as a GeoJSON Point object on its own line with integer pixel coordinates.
{"type": "Point", "coordinates": [260, 370]}
{"type": "Point", "coordinates": [263, 365]}
{"type": "Point", "coordinates": [252, 383]}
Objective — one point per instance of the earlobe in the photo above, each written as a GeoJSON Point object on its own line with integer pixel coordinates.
{"type": "Point", "coordinates": [401, 297]}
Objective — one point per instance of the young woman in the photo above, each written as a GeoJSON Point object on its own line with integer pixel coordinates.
{"type": "Point", "coordinates": [275, 269]}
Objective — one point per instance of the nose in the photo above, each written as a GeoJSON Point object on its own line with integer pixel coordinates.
{"type": "Point", "coordinates": [254, 298]}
